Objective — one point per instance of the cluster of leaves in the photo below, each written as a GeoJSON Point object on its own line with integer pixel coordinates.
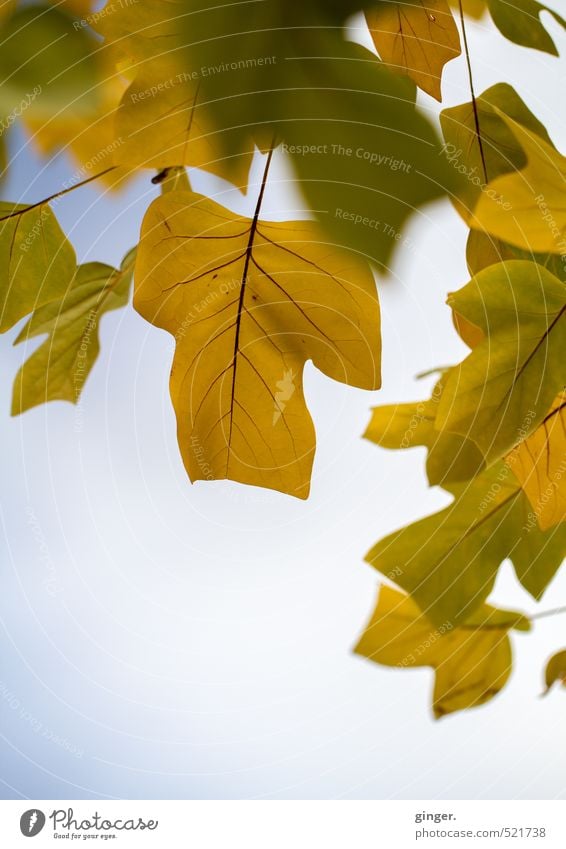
{"type": "Point", "coordinates": [170, 84]}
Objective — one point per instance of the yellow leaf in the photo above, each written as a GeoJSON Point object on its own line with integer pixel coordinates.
{"type": "Point", "coordinates": [249, 302]}
{"type": "Point", "coordinates": [161, 124]}
{"type": "Point", "coordinates": [469, 332]}
{"type": "Point", "coordinates": [472, 661]}
{"type": "Point", "coordinates": [532, 214]}
{"type": "Point", "coordinates": [417, 38]}
{"type": "Point", "coordinates": [539, 463]}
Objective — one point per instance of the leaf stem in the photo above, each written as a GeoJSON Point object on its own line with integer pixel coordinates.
{"type": "Point", "coordinates": [472, 92]}
{"type": "Point", "coordinates": [244, 280]}
{"type": "Point", "coordinates": [58, 194]}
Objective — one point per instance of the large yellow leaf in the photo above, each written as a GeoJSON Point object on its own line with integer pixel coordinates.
{"type": "Point", "coordinates": [532, 215]}
{"type": "Point", "coordinates": [249, 302]}
{"type": "Point", "coordinates": [416, 38]}
{"type": "Point", "coordinates": [539, 463]}
{"type": "Point", "coordinates": [472, 661]}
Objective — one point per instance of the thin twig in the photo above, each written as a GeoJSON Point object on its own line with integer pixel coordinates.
{"type": "Point", "coordinates": [58, 194]}
{"type": "Point", "coordinates": [474, 103]}
{"type": "Point", "coordinates": [553, 612]}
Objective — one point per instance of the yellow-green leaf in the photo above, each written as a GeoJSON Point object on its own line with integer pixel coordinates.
{"type": "Point", "coordinates": [505, 386]}
{"type": "Point", "coordinates": [450, 457]}
{"type": "Point", "coordinates": [471, 661]}
{"type": "Point", "coordinates": [539, 463]}
{"type": "Point", "coordinates": [448, 562]}
{"type": "Point", "coordinates": [483, 250]}
{"type": "Point", "coordinates": [37, 262]}
{"type": "Point", "coordinates": [500, 151]}
{"type": "Point", "coordinates": [533, 214]}
{"type": "Point", "coordinates": [416, 38]}
{"type": "Point", "coordinates": [249, 302]}
{"type": "Point", "coordinates": [58, 369]}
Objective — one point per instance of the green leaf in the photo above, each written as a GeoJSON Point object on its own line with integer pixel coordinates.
{"type": "Point", "coordinates": [451, 458]}
{"type": "Point", "coordinates": [58, 369]}
{"type": "Point", "coordinates": [519, 21]}
{"type": "Point", "coordinates": [37, 262]}
{"type": "Point", "coordinates": [472, 662]}
{"type": "Point", "coordinates": [448, 562]}
{"type": "Point", "coordinates": [505, 387]}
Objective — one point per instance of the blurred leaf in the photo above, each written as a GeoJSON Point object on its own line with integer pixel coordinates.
{"type": "Point", "coordinates": [45, 55]}
{"type": "Point", "coordinates": [472, 8]}
{"type": "Point", "coordinates": [37, 262]}
{"type": "Point", "coordinates": [505, 387]}
{"type": "Point", "coordinates": [519, 21]}
{"type": "Point", "coordinates": [248, 302]}
{"type": "Point", "coordinates": [364, 156]}
{"type": "Point", "coordinates": [416, 38]}
{"type": "Point", "coordinates": [161, 123]}
{"type": "Point", "coordinates": [555, 670]}
{"type": "Point", "coordinates": [539, 463]}
{"type": "Point", "coordinates": [472, 661]}
{"type": "Point", "coordinates": [58, 369]}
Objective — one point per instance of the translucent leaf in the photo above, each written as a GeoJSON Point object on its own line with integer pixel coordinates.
{"type": "Point", "coordinates": [37, 262]}
{"type": "Point", "coordinates": [448, 562]}
{"type": "Point", "coordinates": [416, 38]}
{"type": "Point", "coordinates": [58, 369]}
{"type": "Point", "coordinates": [505, 387]}
{"type": "Point", "coordinates": [539, 463]}
{"type": "Point", "coordinates": [472, 661]}
{"type": "Point", "coordinates": [248, 302]}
